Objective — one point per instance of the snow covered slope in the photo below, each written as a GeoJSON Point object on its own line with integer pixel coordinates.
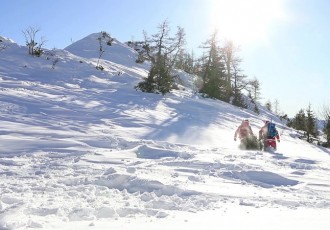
{"type": "Point", "coordinates": [81, 148]}
{"type": "Point", "coordinates": [89, 47]}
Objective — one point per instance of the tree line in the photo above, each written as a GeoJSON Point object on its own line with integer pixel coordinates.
{"type": "Point", "coordinates": [306, 121]}
{"type": "Point", "coordinates": [219, 73]}
{"type": "Point", "coordinates": [218, 68]}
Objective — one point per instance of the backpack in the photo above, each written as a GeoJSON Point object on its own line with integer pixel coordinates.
{"type": "Point", "coordinates": [272, 132]}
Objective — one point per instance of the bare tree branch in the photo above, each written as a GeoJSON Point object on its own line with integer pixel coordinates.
{"type": "Point", "coordinates": [30, 40]}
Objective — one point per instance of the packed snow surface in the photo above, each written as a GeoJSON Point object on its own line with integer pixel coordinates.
{"type": "Point", "coordinates": [82, 149]}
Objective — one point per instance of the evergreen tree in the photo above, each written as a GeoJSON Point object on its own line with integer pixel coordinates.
{"type": "Point", "coordinates": [256, 109]}
{"type": "Point", "coordinates": [326, 127]}
{"type": "Point", "coordinates": [185, 62]}
{"type": "Point", "coordinates": [285, 118]}
{"type": "Point", "coordinates": [254, 104]}
{"type": "Point", "coordinates": [269, 106]}
{"type": "Point", "coordinates": [213, 71]}
{"type": "Point", "coordinates": [238, 85]}
{"type": "Point", "coordinates": [180, 61]}
{"type": "Point", "coordinates": [231, 63]}
{"type": "Point", "coordinates": [162, 51]}
{"type": "Point", "coordinates": [235, 80]}
{"type": "Point", "coordinates": [326, 131]}
{"type": "Point", "coordinates": [253, 87]}
{"type": "Point", "coordinates": [299, 121]}
{"type": "Point", "coordinates": [311, 127]}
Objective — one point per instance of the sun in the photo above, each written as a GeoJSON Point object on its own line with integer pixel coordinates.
{"type": "Point", "coordinates": [245, 21]}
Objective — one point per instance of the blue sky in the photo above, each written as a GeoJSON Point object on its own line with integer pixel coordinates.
{"type": "Point", "coordinates": [283, 43]}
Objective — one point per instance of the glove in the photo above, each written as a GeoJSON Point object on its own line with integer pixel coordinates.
{"type": "Point", "coordinates": [235, 139]}
{"type": "Point", "coordinates": [278, 141]}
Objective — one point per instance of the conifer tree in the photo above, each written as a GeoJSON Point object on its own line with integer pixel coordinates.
{"type": "Point", "coordinates": [269, 106]}
{"type": "Point", "coordinates": [299, 121]}
{"type": "Point", "coordinates": [254, 89]}
{"type": "Point", "coordinates": [239, 84]}
{"type": "Point", "coordinates": [213, 71]}
{"type": "Point", "coordinates": [326, 128]}
{"type": "Point", "coordinates": [311, 127]}
{"type": "Point", "coordinates": [234, 80]}
{"type": "Point", "coordinates": [185, 61]}
{"type": "Point", "coordinates": [326, 131]}
{"type": "Point", "coordinates": [162, 51]}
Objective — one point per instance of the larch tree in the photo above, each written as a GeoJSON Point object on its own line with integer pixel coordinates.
{"type": "Point", "coordinates": [185, 61]}
{"type": "Point", "coordinates": [213, 71]}
{"type": "Point", "coordinates": [162, 50]}
{"type": "Point", "coordinates": [238, 84]}
{"type": "Point", "coordinates": [253, 87]}
{"type": "Point", "coordinates": [234, 79]}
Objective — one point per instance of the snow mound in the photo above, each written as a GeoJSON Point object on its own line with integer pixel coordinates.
{"type": "Point", "coordinates": [148, 152]}
{"type": "Point", "coordinates": [133, 184]}
{"type": "Point", "coordinates": [261, 178]}
{"type": "Point", "coordinates": [89, 47]}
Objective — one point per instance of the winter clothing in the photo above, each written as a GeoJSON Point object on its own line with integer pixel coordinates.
{"type": "Point", "coordinates": [269, 141]}
{"type": "Point", "coordinates": [264, 131]}
{"type": "Point", "coordinates": [243, 131]}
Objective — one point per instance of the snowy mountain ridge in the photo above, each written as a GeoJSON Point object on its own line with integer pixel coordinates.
{"type": "Point", "coordinates": [82, 148]}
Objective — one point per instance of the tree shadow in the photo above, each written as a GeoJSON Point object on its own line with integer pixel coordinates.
{"type": "Point", "coordinates": [279, 156]}
{"type": "Point", "coordinates": [324, 149]}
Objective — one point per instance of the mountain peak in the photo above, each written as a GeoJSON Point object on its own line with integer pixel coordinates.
{"type": "Point", "coordinates": [96, 44]}
{"type": "Point", "coordinates": [6, 40]}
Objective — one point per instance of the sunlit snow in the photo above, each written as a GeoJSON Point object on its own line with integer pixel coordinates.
{"type": "Point", "coordinates": [82, 149]}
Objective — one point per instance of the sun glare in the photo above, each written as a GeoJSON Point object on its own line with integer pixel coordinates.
{"type": "Point", "coordinates": [245, 21]}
